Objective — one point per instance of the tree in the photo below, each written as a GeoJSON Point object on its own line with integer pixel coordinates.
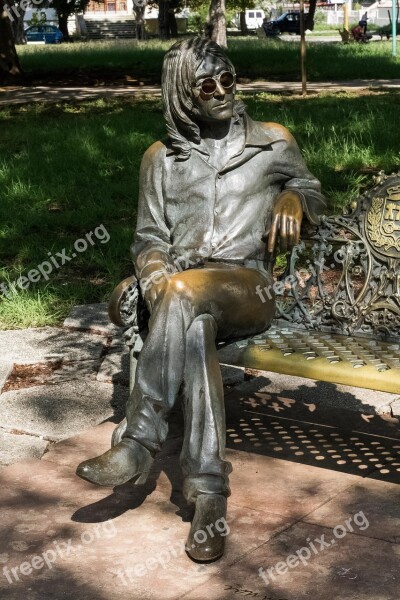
{"type": "Point", "coordinates": [65, 9]}
{"type": "Point", "coordinates": [17, 15]}
{"type": "Point", "coordinates": [10, 68]}
{"type": "Point", "coordinates": [216, 24]}
{"type": "Point", "coordinates": [139, 7]}
{"type": "Point", "coordinates": [166, 18]}
{"type": "Point", "coordinates": [311, 10]}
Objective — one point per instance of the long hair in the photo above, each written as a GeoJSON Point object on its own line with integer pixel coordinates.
{"type": "Point", "coordinates": [178, 77]}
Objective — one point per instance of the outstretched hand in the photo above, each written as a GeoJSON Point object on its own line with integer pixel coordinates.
{"type": "Point", "coordinates": [286, 221]}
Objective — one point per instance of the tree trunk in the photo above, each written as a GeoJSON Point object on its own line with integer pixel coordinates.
{"type": "Point", "coordinates": [10, 69]}
{"type": "Point", "coordinates": [172, 24]}
{"type": "Point", "coordinates": [163, 22]}
{"type": "Point", "coordinates": [18, 22]}
{"type": "Point", "coordinates": [243, 24]}
{"type": "Point", "coordinates": [63, 26]}
{"type": "Point", "coordinates": [139, 15]}
{"type": "Point", "coordinates": [216, 26]}
{"type": "Point", "coordinates": [311, 9]}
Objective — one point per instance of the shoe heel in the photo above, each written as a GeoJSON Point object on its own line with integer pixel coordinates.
{"type": "Point", "coordinates": [142, 477]}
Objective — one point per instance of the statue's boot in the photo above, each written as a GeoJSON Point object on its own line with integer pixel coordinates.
{"type": "Point", "coordinates": [206, 540]}
{"type": "Point", "coordinates": [127, 460]}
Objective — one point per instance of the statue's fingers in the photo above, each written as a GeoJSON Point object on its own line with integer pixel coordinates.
{"type": "Point", "coordinates": [283, 234]}
{"type": "Point", "coordinates": [273, 234]}
{"type": "Point", "coordinates": [291, 232]}
{"type": "Point", "coordinates": [297, 227]}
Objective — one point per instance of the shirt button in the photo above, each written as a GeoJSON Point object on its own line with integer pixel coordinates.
{"type": "Point", "coordinates": [216, 211]}
{"type": "Point", "coordinates": [219, 176]}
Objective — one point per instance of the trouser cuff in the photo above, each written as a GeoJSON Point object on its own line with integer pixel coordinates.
{"type": "Point", "coordinates": [205, 484]}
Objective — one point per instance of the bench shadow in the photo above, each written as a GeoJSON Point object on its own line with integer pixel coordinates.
{"type": "Point", "coordinates": [299, 426]}
{"type": "Point", "coordinates": [292, 425]}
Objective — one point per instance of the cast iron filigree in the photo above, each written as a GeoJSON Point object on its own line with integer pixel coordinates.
{"type": "Point", "coordinates": [345, 277]}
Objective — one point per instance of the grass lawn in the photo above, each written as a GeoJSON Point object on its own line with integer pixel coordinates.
{"type": "Point", "coordinates": [67, 169]}
{"type": "Point", "coordinates": [266, 59]}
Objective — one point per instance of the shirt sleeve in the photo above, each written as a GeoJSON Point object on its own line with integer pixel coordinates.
{"type": "Point", "coordinates": [290, 165]}
{"type": "Point", "coordinates": [152, 237]}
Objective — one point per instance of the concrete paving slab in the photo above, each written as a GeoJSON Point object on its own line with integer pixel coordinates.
{"type": "Point", "coordinates": [72, 451]}
{"type": "Point", "coordinates": [115, 367]}
{"type": "Point", "coordinates": [257, 482]}
{"type": "Point", "coordinates": [111, 538]}
{"type": "Point", "coordinates": [60, 411]}
{"type": "Point", "coordinates": [15, 447]}
{"type": "Point", "coordinates": [129, 540]}
{"type": "Point", "coordinates": [281, 486]}
{"type": "Point", "coordinates": [23, 376]}
{"type": "Point", "coordinates": [77, 370]}
{"type": "Point", "coordinates": [117, 343]}
{"type": "Point", "coordinates": [273, 386]}
{"type": "Point", "coordinates": [28, 346]}
{"type": "Point", "coordinates": [93, 318]}
{"type": "Point", "coordinates": [232, 375]}
{"type": "Point", "coordinates": [5, 371]}
{"type": "Point", "coordinates": [375, 504]}
{"type": "Point", "coordinates": [333, 439]}
{"type": "Point", "coordinates": [282, 407]}
{"type": "Point", "coordinates": [348, 569]}
{"type": "Point", "coordinates": [395, 408]}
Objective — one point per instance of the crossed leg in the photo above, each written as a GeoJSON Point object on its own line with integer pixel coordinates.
{"type": "Point", "coordinates": [196, 308]}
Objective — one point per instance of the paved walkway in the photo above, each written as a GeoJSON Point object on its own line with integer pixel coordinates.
{"type": "Point", "coordinates": [315, 496]}
{"type": "Point", "coordinates": [25, 95]}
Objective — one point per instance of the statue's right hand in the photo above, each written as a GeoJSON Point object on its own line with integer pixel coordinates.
{"type": "Point", "coordinates": [152, 285]}
{"type": "Point", "coordinates": [152, 294]}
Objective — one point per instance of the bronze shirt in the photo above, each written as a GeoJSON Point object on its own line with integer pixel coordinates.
{"type": "Point", "coordinates": [190, 210]}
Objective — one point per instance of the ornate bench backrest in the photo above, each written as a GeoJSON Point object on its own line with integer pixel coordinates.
{"type": "Point", "coordinates": [344, 277]}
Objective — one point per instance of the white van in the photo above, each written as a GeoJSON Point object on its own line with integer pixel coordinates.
{"type": "Point", "coordinates": [254, 18]}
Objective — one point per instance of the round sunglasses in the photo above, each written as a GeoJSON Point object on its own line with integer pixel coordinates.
{"type": "Point", "coordinates": [208, 86]}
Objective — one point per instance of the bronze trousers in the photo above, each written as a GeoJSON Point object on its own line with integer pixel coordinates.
{"type": "Point", "coordinates": [196, 308]}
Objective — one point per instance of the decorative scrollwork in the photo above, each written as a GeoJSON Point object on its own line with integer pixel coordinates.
{"type": "Point", "coordinates": [346, 272]}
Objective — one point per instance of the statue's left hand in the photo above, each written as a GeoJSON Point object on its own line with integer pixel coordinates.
{"type": "Point", "coordinates": [286, 221]}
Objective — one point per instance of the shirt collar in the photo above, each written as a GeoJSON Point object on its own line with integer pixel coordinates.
{"type": "Point", "coordinates": [256, 136]}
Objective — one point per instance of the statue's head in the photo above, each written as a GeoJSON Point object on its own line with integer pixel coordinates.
{"type": "Point", "coordinates": [198, 84]}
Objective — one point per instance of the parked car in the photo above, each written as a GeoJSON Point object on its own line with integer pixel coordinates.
{"type": "Point", "coordinates": [49, 34]}
{"type": "Point", "coordinates": [289, 22]}
{"type": "Point", "coordinates": [254, 19]}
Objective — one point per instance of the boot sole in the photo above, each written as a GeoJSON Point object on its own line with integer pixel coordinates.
{"type": "Point", "coordinates": [137, 479]}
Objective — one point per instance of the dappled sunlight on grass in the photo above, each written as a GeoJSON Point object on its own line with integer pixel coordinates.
{"type": "Point", "coordinates": [65, 169]}
{"type": "Point", "coordinates": [31, 309]}
{"type": "Point", "coordinates": [344, 137]}
{"type": "Point", "coordinates": [255, 58]}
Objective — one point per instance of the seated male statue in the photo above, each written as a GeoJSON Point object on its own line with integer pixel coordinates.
{"type": "Point", "coordinates": [210, 196]}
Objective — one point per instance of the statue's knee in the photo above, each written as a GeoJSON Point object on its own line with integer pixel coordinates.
{"type": "Point", "coordinates": [203, 326]}
{"type": "Point", "coordinates": [177, 285]}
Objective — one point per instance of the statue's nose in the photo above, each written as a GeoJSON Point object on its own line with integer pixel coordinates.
{"type": "Point", "coordinates": [220, 91]}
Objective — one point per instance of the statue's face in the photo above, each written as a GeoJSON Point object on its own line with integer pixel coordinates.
{"type": "Point", "coordinates": [217, 105]}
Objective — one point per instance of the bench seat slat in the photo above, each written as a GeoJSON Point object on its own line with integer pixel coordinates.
{"type": "Point", "coordinates": [347, 361]}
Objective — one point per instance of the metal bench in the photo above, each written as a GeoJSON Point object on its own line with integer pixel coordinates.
{"type": "Point", "coordinates": [338, 301]}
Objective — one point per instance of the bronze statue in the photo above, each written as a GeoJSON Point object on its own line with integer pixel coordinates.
{"type": "Point", "coordinates": [209, 198]}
